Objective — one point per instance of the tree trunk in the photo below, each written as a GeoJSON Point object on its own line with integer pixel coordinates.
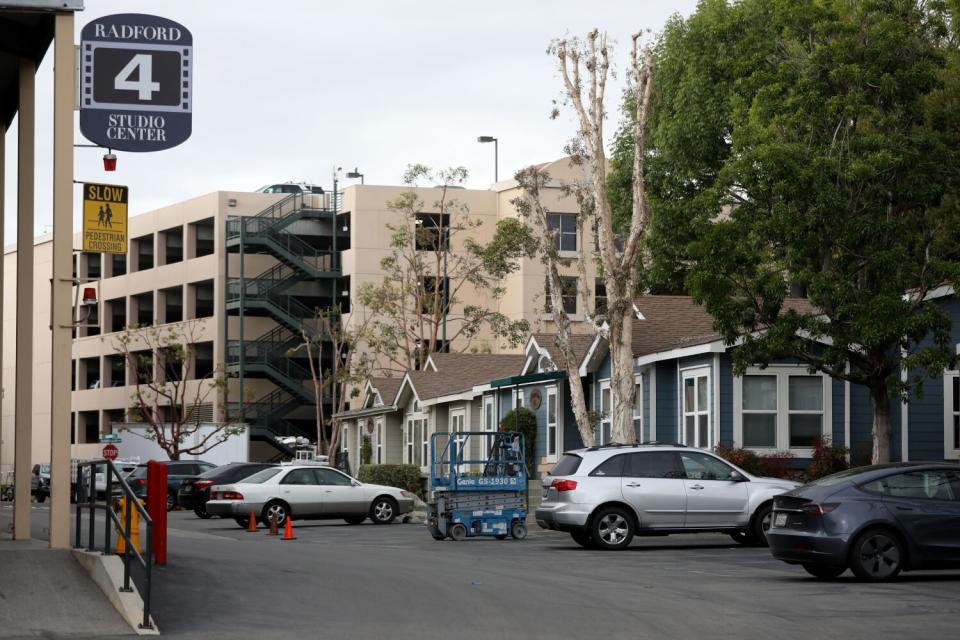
{"type": "Point", "coordinates": [880, 397]}
{"type": "Point", "coordinates": [621, 377]}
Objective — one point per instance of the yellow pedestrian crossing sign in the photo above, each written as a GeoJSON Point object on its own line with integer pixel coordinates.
{"type": "Point", "coordinates": [104, 218]}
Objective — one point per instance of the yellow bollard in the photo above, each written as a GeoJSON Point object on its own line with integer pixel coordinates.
{"type": "Point", "coordinates": [121, 546]}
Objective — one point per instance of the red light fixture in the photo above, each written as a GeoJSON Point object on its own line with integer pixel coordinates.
{"type": "Point", "coordinates": [109, 161]}
{"type": "Point", "coordinates": [89, 296]}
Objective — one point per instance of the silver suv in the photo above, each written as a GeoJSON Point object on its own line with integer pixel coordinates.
{"type": "Point", "coordinates": [603, 496]}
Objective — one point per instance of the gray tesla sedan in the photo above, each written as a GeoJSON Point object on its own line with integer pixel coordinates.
{"type": "Point", "coordinates": [877, 521]}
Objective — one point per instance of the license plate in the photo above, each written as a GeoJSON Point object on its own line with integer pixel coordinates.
{"type": "Point", "coordinates": [780, 520]}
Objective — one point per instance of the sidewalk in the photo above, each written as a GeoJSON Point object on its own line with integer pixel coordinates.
{"type": "Point", "coordinates": [45, 593]}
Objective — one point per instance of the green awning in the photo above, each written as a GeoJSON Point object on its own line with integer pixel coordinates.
{"type": "Point", "coordinates": [513, 381]}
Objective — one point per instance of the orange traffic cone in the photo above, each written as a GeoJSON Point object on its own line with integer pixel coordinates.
{"type": "Point", "coordinates": [288, 530]}
{"type": "Point", "coordinates": [252, 525]}
{"type": "Point", "coordinates": [273, 527]}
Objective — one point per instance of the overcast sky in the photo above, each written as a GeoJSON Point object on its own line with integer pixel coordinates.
{"type": "Point", "coordinates": [287, 90]}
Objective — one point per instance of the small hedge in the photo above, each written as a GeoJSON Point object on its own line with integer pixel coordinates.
{"type": "Point", "coordinates": [401, 476]}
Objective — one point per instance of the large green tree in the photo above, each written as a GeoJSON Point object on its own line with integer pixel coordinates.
{"type": "Point", "coordinates": [813, 145]}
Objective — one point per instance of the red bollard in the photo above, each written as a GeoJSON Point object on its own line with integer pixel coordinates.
{"type": "Point", "coordinates": [157, 508]}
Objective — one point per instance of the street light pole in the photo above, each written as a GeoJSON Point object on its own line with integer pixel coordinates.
{"type": "Point", "coordinates": [496, 153]}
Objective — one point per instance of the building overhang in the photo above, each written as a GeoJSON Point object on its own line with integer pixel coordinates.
{"type": "Point", "coordinates": [530, 378]}
{"type": "Point", "coordinates": [366, 412]}
{"type": "Point", "coordinates": [26, 31]}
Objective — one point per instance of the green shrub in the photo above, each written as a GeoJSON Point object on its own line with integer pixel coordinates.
{"type": "Point", "coordinates": [401, 476]}
{"type": "Point", "coordinates": [525, 421]}
{"type": "Point", "coordinates": [827, 458]}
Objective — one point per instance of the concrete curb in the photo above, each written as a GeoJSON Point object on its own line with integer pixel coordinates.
{"type": "Point", "coordinates": [107, 573]}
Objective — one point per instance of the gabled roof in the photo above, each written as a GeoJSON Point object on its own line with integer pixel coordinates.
{"type": "Point", "coordinates": [386, 388]}
{"type": "Point", "coordinates": [547, 343]}
{"type": "Point", "coordinates": [459, 373]}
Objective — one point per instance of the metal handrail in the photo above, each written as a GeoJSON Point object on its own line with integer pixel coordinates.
{"type": "Point", "coordinates": [85, 499]}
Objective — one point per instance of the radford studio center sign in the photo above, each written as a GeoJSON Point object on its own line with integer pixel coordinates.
{"type": "Point", "coordinates": [136, 82]}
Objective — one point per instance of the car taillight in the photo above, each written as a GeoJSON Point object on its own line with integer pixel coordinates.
{"type": "Point", "coordinates": [564, 485]}
{"type": "Point", "coordinates": [818, 510]}
{"type": "Point", "coordinates": [139, 482]}
{"type": "Point", "coordinates": [203, 484]}
{"type": "Point", "coordinates": [230, 495]}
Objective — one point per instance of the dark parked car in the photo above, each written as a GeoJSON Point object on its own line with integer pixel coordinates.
{"type": "Point", "coordinates": [177, 471]}
{"type": "Point", "coordinates": [194, 492]}
{"type": "Point", "coordinates": [877, 521]}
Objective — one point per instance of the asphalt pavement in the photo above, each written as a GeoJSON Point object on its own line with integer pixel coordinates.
{"type": "Point", "coordinates": [368, 581]}
{"type": "Point", "coordinates": [395, 581]}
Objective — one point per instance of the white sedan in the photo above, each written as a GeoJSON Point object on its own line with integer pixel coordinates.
{"type": "Point", "coordinates": [307, 492]}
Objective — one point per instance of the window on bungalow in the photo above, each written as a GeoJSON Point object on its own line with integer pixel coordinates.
{"type": "Point", "coordinates": [552, 421]}
{"type": "Point", "coordinates": [781, 408]}
{"type": "Point", "coordinates": [379, 434]}
{"type": "Point", "coordinates": [638, 409]}
{"type": "Point", "coordinates": [953, 415]}
{"type": "Point", "coordinates": [605, 413]}
{"type": "Point", "coordinates": [488, 421]}
{"type": "Point", "coordinates": [696, 431]}
{"type": "Point", "coordinates": [563, 228]}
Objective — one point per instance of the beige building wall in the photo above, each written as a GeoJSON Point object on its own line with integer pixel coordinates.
{"type": "Point", "coordinates": [524, 298]}
{"type": "Point", "coordinates": [94, 405]}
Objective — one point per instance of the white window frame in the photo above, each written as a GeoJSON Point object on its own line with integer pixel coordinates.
{"type": "Point", "coordinates": [783, 373]}
{"type": "Point", "coordinates": [378, 431]}
{"type": "Point", "coordinates": [517, 398]}
{"type": "Point", "coordinates": [949, 451]}
{"type": "Point", "coordinates": [489, 414]}
{"type": "Point", "coordinates": [555, 425]}
{"type": "Point", "coordinates": [606, 420]}
{"type": "Point", "coordinates": [345, 438]}
{"type": "Point", "coordinates": [695, 373]}
{"type": "Point", "coordinates": [638, 411]}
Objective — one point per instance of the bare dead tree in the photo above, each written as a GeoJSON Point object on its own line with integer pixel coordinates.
{"type": "Point", "coordinates": [168, 397]}
{"type": "Point", "coordinates": [584, 67]}
{"type": "Point", "coordinates": [349, 366]}
{"type": "Point", "coordinates": [530, 207]}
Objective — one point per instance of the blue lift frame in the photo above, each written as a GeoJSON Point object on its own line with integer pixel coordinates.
{"type": "Point", "coordinates": [481, 496]}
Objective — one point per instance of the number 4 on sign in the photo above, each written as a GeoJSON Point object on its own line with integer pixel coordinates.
{"type": "Point", "coordinates": [144, 86]}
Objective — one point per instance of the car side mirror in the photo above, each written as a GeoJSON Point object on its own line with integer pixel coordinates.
{"type": "Point", "coordinates": [736, 476]}
{"type": "Point", "coordinates": [356, 483]}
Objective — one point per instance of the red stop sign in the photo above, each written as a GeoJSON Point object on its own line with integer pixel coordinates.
{"type": "Point", "coordinates": [110, 452]}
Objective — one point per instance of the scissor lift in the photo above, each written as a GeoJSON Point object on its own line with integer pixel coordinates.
{"type": "Point", "coordinates": [478, 481]}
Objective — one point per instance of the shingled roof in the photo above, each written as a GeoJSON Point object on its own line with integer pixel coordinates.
{"type": "Point", "coordinates": [580, 344]}
{"type": "Point", "coordinates": [459, 372]}
{"type": "Point", "coordinates": [386, 387]}
{"type": "Point", "coordinates": [674, 322]}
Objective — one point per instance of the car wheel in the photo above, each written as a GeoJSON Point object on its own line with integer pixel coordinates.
{"type": "Point", "coordinates": [201, 513]}
{"type": "Point", "coordinates": [876, 555]}
{"type": "Point", "coordinates": [762, 519]}
{"type": "Point", "coordinates": [276, 509]}
{"type": "Point", "coordinates": [171, 501]}
{"type": "Point", "coordinates": [518, 530]}
{"type": "Point", "coordinates": [458, 532]}
{"type": "Point", "coordinates": [744, 538]}
{"type": "Point", "coordinates": [383, 510]}
{"type": "Point", "coordinates": [355, 519]}
{"type": "Point", "coordinates": [583, 539]}
{"type": "Point", "coordinates": [611, 529]}
{"type": "Point", "coordinates": [823, 571]}
{"type": "Point", "coordinates": [243, 522]}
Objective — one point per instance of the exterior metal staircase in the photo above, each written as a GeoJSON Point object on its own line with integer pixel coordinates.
{"type": "Point", "coordinates": [269, 293]}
